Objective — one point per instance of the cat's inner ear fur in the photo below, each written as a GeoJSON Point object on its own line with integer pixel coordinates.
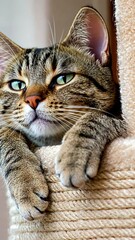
{"type": "Point", "coordinates": [89, 33]}
{"type": "Point", "coordinates": [8, 50]}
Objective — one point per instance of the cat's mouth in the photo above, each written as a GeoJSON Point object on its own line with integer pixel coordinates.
{"type": "Point", "coordinates": [39, 118]}
{"type": "Point", "coordinates": [42, 120]}
{"type": "Point", "coordinates": [44, 127]}
{"type": "Point", "coordinates": [40, 124]}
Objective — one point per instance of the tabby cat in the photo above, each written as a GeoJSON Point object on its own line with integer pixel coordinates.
{"type": "Point", "coordinates": [47, 93]}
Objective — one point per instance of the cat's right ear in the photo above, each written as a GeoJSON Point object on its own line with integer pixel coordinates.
{"type": "Point", "coordinates": [89, 33]}
{"type": "Point", "coordinates": [8, 50]}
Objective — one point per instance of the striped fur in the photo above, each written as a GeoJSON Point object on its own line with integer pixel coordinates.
{"type": "Point", "coordinates": [63, 90]}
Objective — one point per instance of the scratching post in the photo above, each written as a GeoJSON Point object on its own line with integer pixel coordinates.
{"type": "Point", "coordinates": [105, 208]}
{"type": "Point", "coordinates": [125, 23]}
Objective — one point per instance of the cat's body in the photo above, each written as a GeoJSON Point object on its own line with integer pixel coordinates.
{"type": "Point", "coordinates": [45, 93]}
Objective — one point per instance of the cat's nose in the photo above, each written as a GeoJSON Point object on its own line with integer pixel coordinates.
{"type": "Point", "coordinates": [33, 101]}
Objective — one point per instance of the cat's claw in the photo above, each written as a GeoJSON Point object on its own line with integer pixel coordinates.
{"type": "Point", "coordinates": [32, 201]}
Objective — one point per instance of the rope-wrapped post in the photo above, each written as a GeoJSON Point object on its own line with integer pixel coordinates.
{"type": "Point", "coordinates": [125, 26]}
{"type": "Point", "coordinates": [105, 208]}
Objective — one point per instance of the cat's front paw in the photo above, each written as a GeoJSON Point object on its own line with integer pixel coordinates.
{"type": "Point", "coordinates": [31, 198]}
{"type": "Point", "coordinates": [78, 160]}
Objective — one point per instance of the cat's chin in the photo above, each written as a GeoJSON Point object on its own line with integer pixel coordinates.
{"type": "Point", "coordinates": [44, 128]}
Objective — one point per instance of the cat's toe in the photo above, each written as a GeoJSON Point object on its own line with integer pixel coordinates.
{"type": "Point", "coordinates": [33, 210]}
{"type": "Point", "coordinates": [73, 178]}
{"type": "Point", "coordinates": [70, 171]}
{"type": "Point", "coordinates": [75, 168]}
{"type": "Point", "coordinates": [92, 168]}
{"type": "Point", "coordinates": [33, 200]}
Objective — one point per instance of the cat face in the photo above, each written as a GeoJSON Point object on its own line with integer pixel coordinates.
{"type": "Point", "coordinates": [44, 91]}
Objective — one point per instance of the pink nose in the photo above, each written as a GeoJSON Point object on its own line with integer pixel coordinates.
{"type": "Point", "coordinates": [33, 101]}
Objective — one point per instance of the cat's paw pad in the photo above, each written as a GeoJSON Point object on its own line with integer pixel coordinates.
{"type": "Point", "coordinates": [33, 200]}
{"type": "Point", "coordinates": [75, 165]}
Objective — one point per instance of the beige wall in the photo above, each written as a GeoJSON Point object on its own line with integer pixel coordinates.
{"type": "Point", "coordinates": [3, 212]}
{"type": "Point", "coordinates": [28, 23]}
{"type": "Point", "coordinates": [64, 12]}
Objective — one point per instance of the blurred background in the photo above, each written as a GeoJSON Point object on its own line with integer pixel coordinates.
{"type": "Point", "coordinates": [32, 23]}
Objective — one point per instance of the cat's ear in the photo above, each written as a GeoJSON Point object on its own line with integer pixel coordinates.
{"type": "Point", "coordinates": [8, 50]}
{"type": "Point", "coordinates": [89, 33]}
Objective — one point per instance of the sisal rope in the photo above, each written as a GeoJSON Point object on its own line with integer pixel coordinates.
{"type": "Point", "coordinates": [103, 209]}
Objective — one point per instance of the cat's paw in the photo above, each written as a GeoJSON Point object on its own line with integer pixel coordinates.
{"type": "Point", "coordinates": [31, 198]}
{"type": "Point", "coordinates": [77, 161]}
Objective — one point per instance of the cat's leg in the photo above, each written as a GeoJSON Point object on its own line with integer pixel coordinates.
{"type": "Point", "coordinates": [23, 174]}
{"type": "Point", "coordinates": [83, 145]}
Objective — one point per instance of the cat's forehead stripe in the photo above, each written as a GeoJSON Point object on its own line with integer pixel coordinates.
{"type": "Point", "coordinates": [39, 60]}
{"type": "Point", "coordinates": [41, 55]}
{"type": "Point", "coordinates": [49, 58]}
{"type": "Point", "coordinates": [43, 64]}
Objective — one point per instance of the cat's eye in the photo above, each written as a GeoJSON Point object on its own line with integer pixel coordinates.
{"type": "Point", "coordinates": [65, 78]}
{"type": "Point", "coordinates": [17, 85]}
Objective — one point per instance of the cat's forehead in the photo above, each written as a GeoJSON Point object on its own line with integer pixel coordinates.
{"type": "Point", "coordinates": [42, 65]}
{"type": "Point", "coordinates": [41, 62]}
{"type": "Point", "coordinates": [50, 58]}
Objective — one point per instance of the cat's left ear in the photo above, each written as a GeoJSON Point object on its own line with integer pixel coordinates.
{"type": "Point", "coordinates": [8, 50]}
{"type": "Point", "coordinates": [89, 33]}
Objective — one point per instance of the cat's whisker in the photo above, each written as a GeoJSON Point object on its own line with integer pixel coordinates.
{"type": "Point", "coordinates": [90, 108]}
{"type": "Point", "coordinates": [80, 110]}
{"type": "Point", "coordinates": [68, 120]}
{"type": "Point", "coordinates": [9, 115]}
{"type": "Point", "coordinates": [68, 109]}
{"type": "Point", "coordinates": [53, 35]}
{"type": "Point", "coordinates": [77, 106]}
{"type": "Point", "coordinates": [4, 122]}
{"type": "Point", "coordinates": [58, 45]}
{"type": "Point", "coordinates": [61, 123]}
{"type": "Point", "coordinates": [11, 132]}
{"type": "Point", "coordinates": [75, 117]}
{"type": "Point", "coordinates": [70, 115]}
{"type": "Point", "coordinates": [54, 32]}
{"type": "Point", "coordinates": [61, 37]}
{"type": "Point", "coordinates": [62, 120]}
{"type": "Point", "coordinates": [62, 110]}
{"type": "Point", "coordinates": [12, 117]}
{"type": "Point", "coordinates": [54, 40]}
{"type": "Point", "coordinates": [65, 119]}
{"type": "Point", "coordinates": [71, 110]}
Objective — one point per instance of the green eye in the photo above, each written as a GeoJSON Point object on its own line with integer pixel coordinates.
{"type": "Point", "coordinates": [17, 85]}
{"type": "Point", "coordinates": [65, 78]}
